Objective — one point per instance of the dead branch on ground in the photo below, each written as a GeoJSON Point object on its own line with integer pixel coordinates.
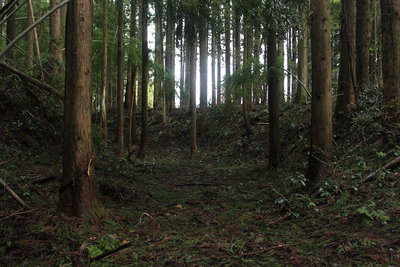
{"type": "Point", "coordinates": [390, 165]}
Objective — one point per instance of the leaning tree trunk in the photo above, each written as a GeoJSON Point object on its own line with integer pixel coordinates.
{"type": "Point", "coordinates": [78, 192]}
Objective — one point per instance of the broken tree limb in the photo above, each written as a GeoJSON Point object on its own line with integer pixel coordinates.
{"type": "Point", "coordinates": [32, 80]}
{"type": "Point", "coordinates": [105, 254]}
{"type": "Point", "coordinates": [12, 193]}
{"type": "Point", "coordinates": [390, 165]}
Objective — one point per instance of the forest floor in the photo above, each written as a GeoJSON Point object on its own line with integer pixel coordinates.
{"type": "Point", "coordinates": [219, 207]}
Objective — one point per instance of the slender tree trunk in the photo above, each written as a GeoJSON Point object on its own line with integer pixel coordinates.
{"type": "Point", "coordinates": [227, 16]}
{"type": "Point", "coordinates": [170, 59]}
{"type": "Point", "coordinates": [281, 72]}
{"type": "Point", "coordinates": [347, 71]}
{"type": "Point", "coordinates": [213, 64]}
{"type": "Point", "coordinates": [133, 70]}
{"type": "Point", "coordinates": [257, 51]}
{"type": "Point", "coordinates": [120, 78]}
{"type": "Point", "coordinates": [363, 42]}
{"type": "Point", "coordinates": [10, 32]}
{"type": "Point", "coordinates": [302, 69]}
{"type": "Point", "coordinates": [246, 86]}
{"type": "Point", "coordinates": [29, 41]}
{"type": "Point", "coordinates": [55, 48]}
{"type": "Point", "coordinates": [187, 74]}
{"type": "Point", "coordinates": [145, 80]}
{"type": "Point", "coordinates": [289, 59]}
{"type": "Point", "coordinates": [219, 70]}
{"type": "Point", "coordinates": [391, 64]}
{"type": "Point", "coordinates": [78, 192]}
{"type": "Point", "coordinates": [183, 92]}
{"type": "Point", "coordinates": [192, 90]}
{"type": "Point", "coordinates": [104, 64]}
{"type": "Point", "coordinates": [203, 76]}
{"type": "Point", "coordinates": [273, 101]}
{"type": "Point", "coordinates": [293, 64]}
{"type": "Point", "coordinates": [321, 150]}
{"type": "Point", "coordinates": [159, 58]}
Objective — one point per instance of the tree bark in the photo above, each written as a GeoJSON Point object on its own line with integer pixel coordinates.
{"type": "Point", "coordinates": [10, 32]}
{"type": "Point", "coordinates": [145, 80]}
{"type": "Point", "coordinates": [192, 90]}
{"type": "Point", "coordinates": [159, 58]}
{"type": "Point", "coordinates": [302, 69]}
{"type": "Point", "coordinates": [120, 79]}
{"type": "Point", "coordinates": [55, 47]}
{"type": "Point", "coordinates": [321, 150]}
{"type": "Point", "coordinates": [203, 75]}
{"type": "Point", "coordinates": [347, 71]}
{"type": "Point", "coordinates": [391, 64]}
{"type": "Point", "coordinates": [104, 64]}
{"type": "Point", "coordinates": [273, 101]}
{"type": "Point", "coordinates": [170, 59]}
{"type": "Point", "coordinates": [78, 192]}
{"type": "Point", "coordinates": [363, 42]}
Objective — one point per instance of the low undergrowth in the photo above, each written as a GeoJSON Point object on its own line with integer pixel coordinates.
{"type": "Point", "coordinates": [219, 207]}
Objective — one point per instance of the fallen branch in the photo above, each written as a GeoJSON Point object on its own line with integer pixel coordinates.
{"type": "Point", "coordinates": [12, 193]}
{"type": "Point", "coordinates": [274, 247]}
{"type": "Point", "coordinates": [32, 80]}
{"type": "Point", "coordinates": [105, 254]}
{"type": "Point", "coordinates": [390, 165]}
{"type": "Point", "coordinates": [43, 179]}
{"type": "Point", "coordinates": [19, 212]}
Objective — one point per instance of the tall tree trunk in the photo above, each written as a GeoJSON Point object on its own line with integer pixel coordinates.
{"type": "Point", "coordinates": [170, 58]}
{"type": "Point", "coordinates": [182, 85]}
{"type": "Point", "coordinates": [145, 80]}
{"type": "Point", "coordinates": [203, 75]}
{"type": "Point", "coordinates": [159, 58]}
{"type": "Point", "coordinates": [347, 71]}
{"type": "Point", "coordinates": [391, 64]}
{"type": "Point", "coordinates": [133, 70]}
{"type": "Point", "coordinates": [246, 85]}
{"type": "Point", "coordinates": [302, 68]}
{"type": "Point", "coordinates": [363, 42]}
{"type": "Point", "coordinates": [281, 72]}
{"type": "Point", "coordinates": [273, 101]}
{"type": "Point", "coordinates": [78, 192]}
{"type": "Point", "coordinates": [219, 70]}
{"type": "Point", "coordinates": [289, 59]}
{"type": "Point", "coordinates": [55, 48]}
{"type": "Point", "coordinates": [104, 64]}
{"type": "Point", "coordinates": [29, 40]}
{"type": "Point", "coordinates": [227, 16]}
{"type": "Point", "coordinates": [10, 32]}
{"type": "Point", "coordinates": [257, 73]}
{"type": "Point", "coordinates": [192, 89]}
{"type": "Point", "coordinates": [321, 150]}
{"type": "Point", "coordinates": [293, 64]}
{"type": "Point", "coordinates": [213, 63]}
{"type": "Point", "coordinates": [120, 79]}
